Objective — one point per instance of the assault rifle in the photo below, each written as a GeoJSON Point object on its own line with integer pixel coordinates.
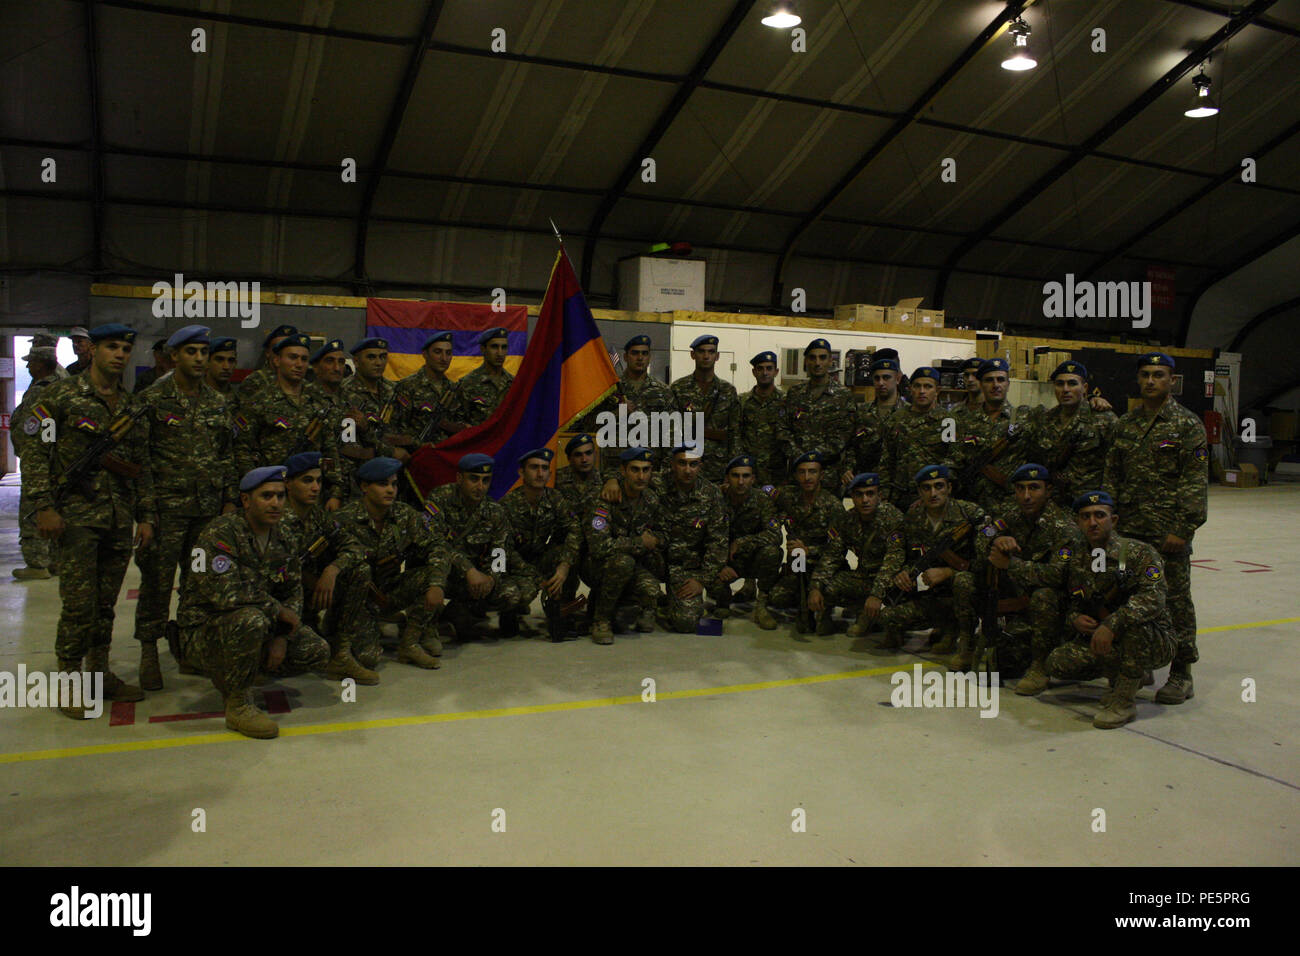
{"type": "Point", "coordinates": [310, 435]}
{"type": "Point", "coordinates": [436, 420]}
{"type": "Point", "coordinates": [983, 465]}
{"type": "Point", "coordinates": [938, 549]}
{"type": "Point", "coordinates": [80, 475]}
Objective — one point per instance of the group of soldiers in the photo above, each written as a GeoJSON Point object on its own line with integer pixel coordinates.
{"type": "Point", "coordinates": [298, 532]}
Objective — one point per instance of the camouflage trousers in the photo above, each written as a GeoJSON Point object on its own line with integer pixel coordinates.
{"type": "Point", "coordinates": [1140, 648]}
{"type": "Point", "coordinates": [1178, 598]}
{"type": "Point", "coordinates": [682, 615]}
{"type": "Point", "coordinates": [37, 552]}
{"type": "Point", "coordinates": [173, 540]}
{"type": "Point", "coordinates": [92, 563]}
{"type": "Point", "coordinates": [849, 588]}
{"type": "Point", "coordinates": [231, 647]}
{"type": "Point", "coordinates": [785, 592]}
{"type": "Point", "coordinates": [758, 563]}
{"type": "Point", "coordinates": [538, 569]}
{"type": "Point", "coordinates": [949, 607]}
{"type": "Point", "coordinates": [1031, 634]}
{"type": "Point", "coordinates": [622, 576]}
{"type": "Point", "coordinates": [509, 592]}
{"type": "Point", "coordinates": [353, 621]}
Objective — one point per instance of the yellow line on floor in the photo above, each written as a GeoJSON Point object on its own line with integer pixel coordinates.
{"type": "Point", "coordinates": [1239, 627]}
{"type": "Point", "coordinates": [310, 729]}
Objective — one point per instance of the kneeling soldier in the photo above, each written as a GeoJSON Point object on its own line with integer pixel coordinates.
{"type": "Point", "coordinates": [1123, 626]}
{"type": "Point", "coordinates": [865, 530]}
{"type": "Point", "coordinates": [755, 549]}
{"type": "Point", "coordinates": [243, 610]}
{"type": "Point", "coordinates": [695, 527]}
{"type": "Point", "coordinates": [806, 510]}
{"type": "Point", "coordinates": [543, 542]}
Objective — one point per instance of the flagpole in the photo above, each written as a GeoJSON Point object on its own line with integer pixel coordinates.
{"type": "Point", "coordinates": [558, 237]}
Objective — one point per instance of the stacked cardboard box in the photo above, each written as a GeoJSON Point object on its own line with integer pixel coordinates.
{"type": "Point", "coordinates": [1247, 476]}
{"type": "Point", "coordinates": [1045, 362]}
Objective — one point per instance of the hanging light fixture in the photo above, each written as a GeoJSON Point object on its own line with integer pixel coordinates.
{"type": "Point", "coordinates": [782, 17]}
{"type": "Point", "coordinates": [1019, 59]}
{"type": "Point", "coordinates": [1203, 106]}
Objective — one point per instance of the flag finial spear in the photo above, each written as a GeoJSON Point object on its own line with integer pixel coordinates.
{"type": "Point", "coordinates": [558, 237]}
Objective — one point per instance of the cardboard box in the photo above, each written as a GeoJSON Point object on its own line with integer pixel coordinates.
{"type": "Point", "coordinates": [656, 284]}
{"type": "Point", "coordinates": [1247, 476]}
{"type": "Point", "coordinates": [908, 313]}
{"type": "Point", "coordinates": [986, 346]}
{"type": "Point", "coordinates": [870, 314]}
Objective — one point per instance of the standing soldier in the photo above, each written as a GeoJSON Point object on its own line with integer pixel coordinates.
{"type": "Point", "coordinates": [806, 510]}
{"type": "Point", "coordinates": [868, 441]}
{"type": "Point", "coordinates": [43, 367]}
{"type": "Point", "coordinates": [1072, 438]}
{"type": "Point", "coordinates": [754, 552]}
{"type": "Point", "coordinates": [242, 613]}
{"type": "Point", "coordinates": [970, 379]}
{"type": "Point", "coordinates": [762, 422]}
{"type": "Point", "coordinates": [194, 481]}
{"type": "Point", "coordinates": [821, 414]}
{"type": "Point", "coordinates": [624, 555]}
{"type": "Point", "coordinates": [702, 391]}
{"type": "Point", "coordinates": [82, 347]}
{"type": "Point", "coordinates": [222, 357]}
{"type": "Point", "coordinates": [694, 524]}
{"type": "Point", "coordinates": [263, 374]}
{"type": "Point", "coordinates": [1117, 610]}
{"type": "Point", "coordinates": [368, 404]}
{"type": "Point", "coordinates": [427, 400]}
{"type": "Point", "coordinates": [1157, 470]}
{"type": "Point", "coordinates": [579, 481]}
{"type": "Point", "coordinates": [988, 448]}
{"type": "Point", "coordinates": [913, 437]}
{"type": "Point", "coordinates": [641, 392]}
{"type": "Point", "coordinates": [865, 530]}
{"type": "Point", "coordinates": [287, 417]}
{"type": "Point", "coordinates": [482, 389]}
{"type": "Point", "coordinates": [91, 511]}
{"type": "Point", "coordinates": [544, 539]}
{"type": "Point", "coordinates": [162, 364]}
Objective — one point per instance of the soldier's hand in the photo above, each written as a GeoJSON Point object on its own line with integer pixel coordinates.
{"type": "Point", "coordinates": [49, 523]}
{"type": "Point", "coordinates": [999, 559]}
{"type": "Point", "coordinates": [611, 492]}
{"type": "Point", "coordinates": [1099, 404]}
{"type": "Point", "coordinates": [275, 651]}
{"type": "Point", "coordinates": [1085, 624]}
{"type": "Point", "coordinates": [872, 607]}
{"type": "Point", "coordinates": [727, 575]}
{"type": "Point", "coordinates": [289, 618]}
{"type": "Point", "coordinates": [903, 580]}
{"type": "Point", "coordinates": [433, 598]}
{"type": "Point", "coordinates": [1173, 544]}
{"type": "Point", "coordinates": [688, 589]}
{"type": "Point", "coordinates": [480, 584]}
{"type": "Point", "coordinates": [816, 603]}
{"type": "Point", "coordinates": [933, 577]}
{"type": "Point", "coordinates": [649, 541]}
{"type": "Point", "coordinates": [323, 594]}
{"type": "Point", "coordinates": [143, 534]}
{"type": "Point", "coordinates": [555, 583]}
{"type": "Point", "coordinates": [1102, 638]}
{"type": "Point", "coordinates": [845, 478]}
{"type": "Point", "coordinates": [1006, 544]}
{"type": "Point", "coordinates": [334, 504]}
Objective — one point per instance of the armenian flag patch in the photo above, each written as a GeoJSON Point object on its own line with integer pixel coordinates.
{"type": "Point", "coordinates": [87, 425]}
{"type": "Point", "coordinates": [281, 422]}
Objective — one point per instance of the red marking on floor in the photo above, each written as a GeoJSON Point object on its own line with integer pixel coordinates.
{"type": "Point", "coordinates": [277, 701]}
{"type": "Point", "coordinates": [273, 702]}
{"type": "Point", "coordinates": [168, 718]}
{"type": "Point", "coordinates": [122, 714]}
{"type": "Point", "coordinates": [1203, 563]}
{"type": "Point", "coordinates": [1262, 567]}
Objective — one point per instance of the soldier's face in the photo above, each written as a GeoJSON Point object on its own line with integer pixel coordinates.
{"type": "Point", "coordinates": [1155, 381]}
{"type": "Point", "coordinates": [924, 391]}
{"type": "Point", "coordinates": [1031, 496]}
{"type": "Point", "coordinates": [685, 469]}
{"type": "Point", "coordinates": [764, 373]}
{"type": "Point", "coordinates": [886, 384]}
{"type": "Point", "coordinates": [994, 386]}
{"type": "Point", "coordinates": [1070, 390]}
{"type": "Point", "coordinates": [866, 500]}
{"type": "Point", "coordinates": [220, 367]}
{"type": "Point", "coordinates": [536, 473]}
{"type": "Point", "coordinates": [740, 480]}
{"type": "Point", "coordinates": [637, 358]}
{"type": "Point", "coordinates": [265, 503]}
{"type": "Point", "coordinates": [706, 356]}
{"type": "Point", "coordinates": [81, 346]}
{"type": "Point", "coordinates": [329, 368]}
{"type": "Point", "coordinates": [371, 363]}
{"type": "Point", "coordinates": [440, 356]}
{"type": "Point", "coordinates": [817, 363]}
{"type": "Point", "coordinates": [637, 474]}
{"type": "Point", "coordinates": [934, 492]}
{"type": "Point", "coordinates": [808, 476]}
{"type": "Point", "coordinates": [110, 356]}
{"type": "Point", "coordinates": [191, 360]}
{"type": "Point", "coordinates": [495, 351]}
{"type": "Point", "coordinates": [972, 381]}
{"type": "Point", "coordinates": [291, 363]}
{"type": "Point", "coordinates": [583, 458]}
{"type": "Point", "coordinates": [1096, 522]}
{"type": "Point", "coordinates": [304, 489]}
{"type": "Point", "coordinates": [473, 485]}
{"type": "Point", "coordinates": [381, 493]}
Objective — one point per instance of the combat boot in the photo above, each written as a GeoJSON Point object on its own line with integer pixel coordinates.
{"type": "Point", "coordinates": [722, 609]}
{"type": "Point", "coordinates": [507, 624]}
{"type": "Point", "coordinates": [71, 666]}
{"type": "Point", "coordinates": [645, 621]}
{"type": "Point", "coordinates": [602, 633]}
{"type": "Point", "coordinates": [31, 574]}
{"type": "Point", "coordinates": [892, 640]}
{"type": "Point", "coordinates": [243, 718]}
{"type": "Point", "coordinates": [826, 623]}
{"type": "Point", "coordinates": [748, 591]}
{"type": "Point", "coordinates": [1034, 682]}
{"type": "Point", "coordinates": [343, 664]}
{"type": "Point", "coordinates": [114, 687]}
{"type": "Point", "coordinates": [409, 650]}
{"type": "Point", "coordinates": [150, 669]}
{"type": "Point", "coordinates": [946, 643]}
{"type": "Point", "coordinates": [965, 656]}
{"type": "Point", "coordinates": [1178, 687]}
{"type": "Point", "coordinates": [762, 616]}
{"type": "Point", "coordinates": [431, 643]}
{"type": "Point", "coordinates": [1122, 706]}
{"type": "Point", "coordinates": [862, 626]}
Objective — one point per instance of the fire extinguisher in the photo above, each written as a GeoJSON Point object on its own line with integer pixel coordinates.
{"type": "Point", "coordinates": [1213, 427]}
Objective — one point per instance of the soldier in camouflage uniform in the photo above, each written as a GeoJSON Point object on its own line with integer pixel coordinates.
{"type": "Point", "coordinates": [693, 526]}
{"type": "Point", "coordinates": [428, 394]}
{"type": "Point", "coordinates": [545, 536]}
{"type": "Point", "coordinates": [329, 366]}
{"type": "Point", "coordinates": [865, 530]}
{"type": "Point", "coordinates": [948, 604]}
{"type": "Point", "coordinates": [754, 552]}
{"type": "Point", "coordinates": [93, 520]}
{"type": "Point", "coordinates": [369, 404]}
{"type": "Point", "coordinates": [983, 478]}
{"type": "Point", "coordinates": [913, 438]}
{"type": "Point", "coordinates": [820, 415]}
{"type": "Point", "coordinates": [970, 379]}
{"type": "Point", "coordinates": [482, 389]}
{"type": "Point", "coordinates": [1028, 547]}
{"type": "Point", "coordinates": [222, 358]}
{"type": "Point", "coordinates": [194, 481]}
{"type": "Point", "coordinates": [1157, 470]}
{"type": "Point", "coordinates": [1122, 624]}
{"type": "Point", "coordinates": [42, 366]}
{"type": "Point", "coordinates": [806, 510]}
{"type": "Point", "coordinates": [868, 443]}
{"type": "Point", "coordinates": [473, 534]}
{"type": "Point", "coordinates": [703, 391]}
{"type": "Point", "coordinates": [580, 482]}
{"type": "Point", "coordinates": [762, 422]}
{"type": "Point", "coordinates": [264, 374]}
{"type": "Point", "coordinates": [288, 417]}
{"type": "Point", "coordinates": [1070, 439]}
{"type": "Point", "coordinates": [389, 564]}
{"type": "Point", "coordinates": [243, 611]}
{"type": "Point", "coordinates": [624, 556]}
{"type": "Point", "coordinates": [642, 393]}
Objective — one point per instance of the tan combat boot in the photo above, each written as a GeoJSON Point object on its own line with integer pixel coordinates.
{"type": "Point", "coordinates": [762, 616]}
{"type": "Point", "coordinates": [343, 664]}
{"type": "Point", "coordinates": [150, 669]}
{"type": "Point", "coordinates": [243, 718]}
{"type": "Point", "coordinates": [645, 621]}
{"type": "Point", "coordinates": [1178, 687]}
{"type": "Point", "coordinates": [965, 656]}
{"type": "Point", "coordinates": [1034, 682]}
{"type": "Point", "coordinates": [602, 633]}
{"type": "Point", "coordinates": [114, 687]}
{"type": "Point", "coordinates": [71, 666]}
{"type": "Point", "coordinates": [409, 650]}
{"type": "Point", "coordinates": [1121, 707]}
{"type": "Point", "coordinates": [32, 574]}
{"type": "Point", "coordinates": [431, 642]}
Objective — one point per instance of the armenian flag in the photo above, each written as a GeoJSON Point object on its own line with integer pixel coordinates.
{"type": "Point", "coordinates": [406, 325]}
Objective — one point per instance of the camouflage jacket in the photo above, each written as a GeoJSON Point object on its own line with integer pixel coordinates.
{"type": "Point", "coordinates": [536, 528]}
{"type": "Point", "coordinates": [752, 521]}
{"type": "Point", "coordinates": [868, 443]}
{"type": "Point", "coordinates": [272, 425]}
{"type": "Point", "coordinates": [809, 522]}
{"type": "Point", "coordinates": [977, 436]}
{"type": "Point", "coordinates": [763, 433]}
{"type": "Point", "coordinates": [649, 395]}
{"type": "Point", "coordinates": [307, 530]}
{"type": "Point", "coordinates": [1157, 470]}
{"type": "Point", "coordinates": [468, 535]}
{"type": "Point", "coordinates": [420, 396]}
{"type": "Point", "coordinates": [24, 423]}
{"type": "Point", "coordinates": [372, 412]}
{"type": "Point", "coordinates": [694, 524]}
{"type": "Point", "coordinates": [911, 540]}
{"type": "Point", "coordinates": [1073, 449]}
{"type": "Point", "coordinates": [616, 528]}
{"type": "Point", "coordinates": [480, 394]}
{"type": "Point", "coordinates": [239, 573]}
{"type": "Point", "coordinates": [912, 440]}
{"type": "Point", "coordinates": [1132, 566]}
{"type": "Point", "coordinates": [721, 407]}
{"type": "Point", "coordinates": [405, 537]}
{"type": "Point", "coordinates": [189, 449]}
{"type": "Point", "coordinates": [80, 416]}
{"type": "Point", "coordinates": [867, 539]}
{"type": "Point", "coordinates": [825, 423]}
{"type": "Point", "coordinates": [1046, 545]}
{"type": "Point", "coordinates": [577, 491]}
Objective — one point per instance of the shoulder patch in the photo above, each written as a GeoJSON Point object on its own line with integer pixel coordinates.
{"type": "Point", "coordinates": [32, 425]}
{"type": "Point", "coordinates": [1202, 453]}
{"type": "Point", "coordinates": [222, 546]}
{"type": "Point", "coordinates": [1152, 572]}
{"type": "Point", "coordinates": [221, 564]}
{"type": "Point", "coordinates": [432, 508]}
{"type": "Point", "coordinates": [990, 531]}
{"type": "Point", "coordinates": [1065, 553]}
{"type": "Point", "coordinates": [599, 523]}
{"type": "Point", "coordinates": [895, 537]}
{"type": "Point", "coordinates": [769, 490]}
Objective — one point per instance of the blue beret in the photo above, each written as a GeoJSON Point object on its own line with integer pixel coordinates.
{"type": "Point", "coordinates": [930, 472]}
{"type": "Point", "coordinates": [637, 340]}
{"type": "Point", "coordinates": [296, 339]}
{"type": "Point", "coordinates": [994, 365]}
{"type": "Point", "coordinates": [634, 454]}
{"type": "Point", "coordinates": [378, 468]}
{"type": "Point", "coordinates": [972, 364]}
{"type": "Point", "coordinates": [885, 353]}
{"type": "Point", "coordinates": [695, 451]}
{"type": "Point", "coordinates": [813, 456]}
{"type": "Point", "coordinates": [260, 476]}
{"type": "Point", "coordinates": [1089, 498]}
{"type": "Point", "coordinates": [885, 365]}
{"type": "Point", "coordinates": [436, 337]}
{"type": "Point", "coordinates": [476, 463]}
{"type": "Point", "coordinates": [1147, 358]}
{"type": "Point", "coordinates": [295, 465]}
{"type": "Point", "coordinates": [191, 334]}
{"type": "Point", "coordinates": [868, 479]}
{"type": "Point", "coordinates": [223, 344]}
{"type": "Point", "coordinates": [817, 344]}
{"type": "Point", "coordinates": [1071, 368]}
{"type": "Point", "coordinates": [333, 345]}
{"type": "Point", "coordinates": [763, 357]}
{"type": "Point", "coordinates": [704, 340]}
{"type": "Point", "coordinates": [545, 454]}
{"type": "Point", "coordinates": [373, 342]}
{"type": "Point", "coordinates": [278, 332]}
{"type": "Point", "coordinates": [576, 440]}
{"type": "Point", "coordinates": [926, 371]}
{"type": "Point", "coordinates": [740, 461]}
{"type": "Point", "coordinates": [113, 330]}
{"type": "Point", "coordinates": [1030, 472]}
{"type": "Point", "coordinates": [490, 334]}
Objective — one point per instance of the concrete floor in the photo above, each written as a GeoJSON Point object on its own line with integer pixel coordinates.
{"type": "Point", "coordinates": [701, 778]}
